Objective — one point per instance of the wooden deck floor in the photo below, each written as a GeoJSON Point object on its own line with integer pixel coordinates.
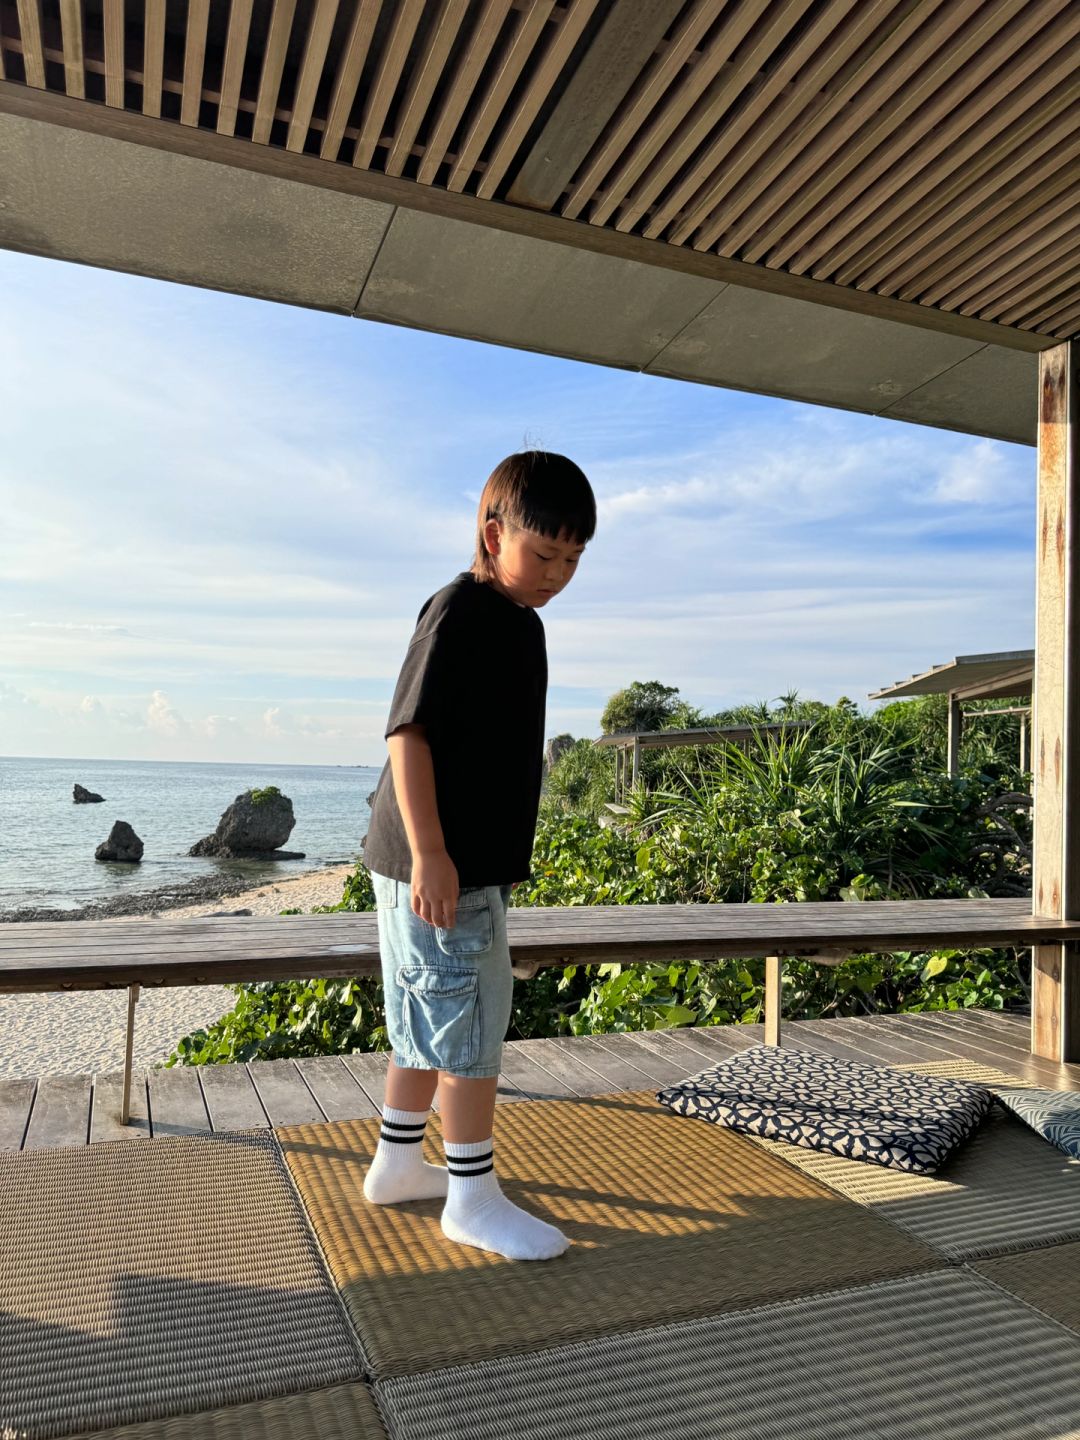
{"type": "Point", "coordinates": [83, 1109]}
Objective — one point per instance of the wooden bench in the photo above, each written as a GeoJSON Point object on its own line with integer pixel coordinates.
{"type": "Point", "coordinates": [118, 954]}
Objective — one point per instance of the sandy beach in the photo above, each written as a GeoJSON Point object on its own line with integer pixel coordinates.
{"type": "Point", "coordinates": [83, 1032]}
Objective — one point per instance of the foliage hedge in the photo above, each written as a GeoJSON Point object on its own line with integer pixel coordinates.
{"type": "Point", "coordinates": [852, 808]}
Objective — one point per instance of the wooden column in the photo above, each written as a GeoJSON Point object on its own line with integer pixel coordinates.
{"type": "Point", "coordinates": [637, 762]}
{"type": "Point", "coordinates": [1055, 980]}
{"type": "Point", "coordinates": [1025, 764]}
{"type": "Point", "coordinates": [956, 725]}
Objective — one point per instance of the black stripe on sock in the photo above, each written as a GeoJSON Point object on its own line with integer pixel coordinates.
{"type": "Point", "coordinates": [397, 1125]}
{"type": "Point", "coordinates": [403, 1139]}
{"type": "Point", "coordinates": [467, 1174]}
{"type": "Point", "coordinates": [470, 1159]}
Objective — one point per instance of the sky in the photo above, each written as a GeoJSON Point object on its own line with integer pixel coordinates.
{"type": "Point", "coordinates": [220, 516]}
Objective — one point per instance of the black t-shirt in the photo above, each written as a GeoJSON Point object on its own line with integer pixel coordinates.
{"type": "Point", "coordinates": [476, 678]}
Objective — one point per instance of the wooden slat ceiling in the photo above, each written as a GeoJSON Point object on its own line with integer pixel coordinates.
{"type": "Point", "coordinates": [923, 150]}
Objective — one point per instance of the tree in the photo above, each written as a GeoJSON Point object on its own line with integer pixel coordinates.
{"type": "Point", "coordinates": [643, 705]}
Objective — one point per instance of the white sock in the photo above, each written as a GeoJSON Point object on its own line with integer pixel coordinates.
{"type": "Point", "coordinates": [478, 1213]}
{"type": "Point", "coordinates": [399, 1171]}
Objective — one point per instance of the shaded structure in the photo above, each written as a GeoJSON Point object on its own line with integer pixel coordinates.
{"type": "Point", "coordinates": [629, 745]}
{"type": "Point", "coordinates": [872, 206]}
{"type": "Point", "coordinates": [1004, 674]}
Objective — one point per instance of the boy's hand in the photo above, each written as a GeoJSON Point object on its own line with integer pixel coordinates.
{"type": "Point", "coordinates": [435, 889]}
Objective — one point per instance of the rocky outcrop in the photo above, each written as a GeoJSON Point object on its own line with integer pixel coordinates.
{"type": "Point", "coordinates": [556, 748]}
{"type": "Point", "coordinates": [82, 796]}
{"type": "Point", "coordinates": [253, 827]}
{"type": "Point", "coordinates": [122, 844]}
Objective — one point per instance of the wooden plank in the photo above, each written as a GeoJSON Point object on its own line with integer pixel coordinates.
{"type": "Point", "coordinates": [33, 54]}
{"type": "Point", "coordinates": [61, 1113]}
{"type": "Point", "coordinates": [689, 1058]}
{"type": "Point", "coordinates": [633, 114]}
{"type": "Point", "coordinates": [427, 72]}
{"type": "Point", "coordinates": [1003, 65]}
{"type": "Point", "coordinates": [943, 44]}
{"type": "Point", "coordinates": [407, 17]}
{"type": "Point", "coordinates": [350, 68]}
{"type": "Point", "coordinates": [153, 56]}
{"type": "Point", "coordinates": [534, 1082]}
{"type": "Point", "coordinates": [1056, 703]}
{"type": "Point", "coordinates": [115, 58]}
{"type": "Point", "coordinates": [16, 1098]}
{"type": "Point", "coordinates": [530, 27]}
{"type": "Point", "coordinates": [285, 1097]}
{"type": "Point", "coordinates": [655, 1069]}
{"type": "Point", "coordinates": [883, 1042]}
{"type": "Point", "coordinates": [316, 45]}
{"type": "Point", "coordinates": [903, 252]}
{"type": "Point", "coordinates": [1010, 134]}
{"type": "Point", "coordinates": [563, 1061]}
{"type": "Point", "coordinates": [957, 1046]}
{"type": "Point", "coordinates": [611, 1063]}
{"type": "Point", "coordinates": [679, 160]}
{"type": "Point", "coordinates": [232, 68]}
{"type": "Point", "coordinates": [369, 1070]}
{"type": "Point", "coordinates": [277, 162]}
{"type": "Point", "coordinates": [618, 53]}
{"type": "Point", "coordinates": [105, 1109]}
{"type": "Point", "coordinates": [687, 97]}
{"type": "Point", "coordinates": [277, 45]}
{"type": "Point", "coordinates": [774, 997]}
{"type": "Point", "coordinates": [339, 1094]}
{"type": "Point", "coordinates": [231, 1098]}
{"type": "Point", "coordinates": [198, 15]}
{"type": "Point", "coordinates": [542, 76]}
{"type": "Point", "coordinates": [820, 46]}
{"type": "Point", "coordinates": [481, 40]}
{"type": "Point", "coordinates": [71, 30]}
{"type": "Point", "coordinates": [177, 1106]}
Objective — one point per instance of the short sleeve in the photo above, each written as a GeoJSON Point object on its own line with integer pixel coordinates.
{"type": "Point", "coordinates": [422, 686]}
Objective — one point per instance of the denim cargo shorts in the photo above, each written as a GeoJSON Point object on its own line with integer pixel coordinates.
{"type": "Point", "coordinates": [448, 992]}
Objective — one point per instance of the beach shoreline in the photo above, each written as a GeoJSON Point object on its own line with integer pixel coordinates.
{"type": "Point", "coordinates": [203, 895]}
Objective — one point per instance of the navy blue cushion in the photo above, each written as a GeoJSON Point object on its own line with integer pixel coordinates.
{"type": "Point", "coordinates": [864, 1112]}
{"type": "Point", "coordinates": [1054, 1114]}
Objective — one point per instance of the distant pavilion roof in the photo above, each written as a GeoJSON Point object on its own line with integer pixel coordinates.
{"type": "Point", "coordinates": [667, 739]}
{"type": "Point", "coordinates": [874, 206]}
{"type": "Point", "coordinates": [970, 677]}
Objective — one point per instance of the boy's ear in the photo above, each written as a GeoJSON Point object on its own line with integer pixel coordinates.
{"type": "Point", "coordinates": [492, 537]}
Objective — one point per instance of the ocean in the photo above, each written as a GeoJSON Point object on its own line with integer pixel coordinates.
{"type": "Point", "coordinates": [47, 842]}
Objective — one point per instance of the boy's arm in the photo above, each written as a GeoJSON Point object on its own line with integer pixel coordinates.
{"type": "Point", "coordinates": [434, 878]}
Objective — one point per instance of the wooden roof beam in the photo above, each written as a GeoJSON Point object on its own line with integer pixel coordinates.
{"type": "Point", "coordinates": [621, 49]}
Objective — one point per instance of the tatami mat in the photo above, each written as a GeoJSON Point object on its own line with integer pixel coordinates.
{"type": "Point", "coordinates": [341, 1412]}
{"type": "Point", "coordinates": [1004, 1189]}
{"type": "Point", "coordinates": [1047, 1279]}
{"type": "Point", "coordinates": [139, 1281]}
{"type": "Point", "coordinates": [943, 1355]}
{"type": "Point", "coordinates": [668, 1219]}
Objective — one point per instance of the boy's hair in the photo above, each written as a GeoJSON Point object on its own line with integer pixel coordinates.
{"type": "Point", "coordinates": [539, 491]}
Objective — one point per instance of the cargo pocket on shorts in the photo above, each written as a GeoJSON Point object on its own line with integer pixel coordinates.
{"type": "Point", "coordinates": [472, 933]}
{"type": "Point", "coordinates": [441, 1015]}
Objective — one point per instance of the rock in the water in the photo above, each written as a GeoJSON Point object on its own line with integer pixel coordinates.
{"type": "Point", "coordinates": [82, 796]}
{"type": "Point", "coordinates": [122, 844]}
{"type": "Point", "coordinates": [254, 826]}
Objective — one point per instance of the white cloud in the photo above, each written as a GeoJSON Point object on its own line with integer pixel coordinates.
{"type": "Point", "coordinates": [161, 716]}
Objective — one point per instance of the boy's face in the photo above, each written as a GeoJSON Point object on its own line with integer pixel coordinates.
{"type": "Point", "coordinates": [530, 569]}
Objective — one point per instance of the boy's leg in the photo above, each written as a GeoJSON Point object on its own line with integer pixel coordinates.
{"type": "Point", "coordinates": [399, 1172]}
{"type": "Point", "coordinates": [410, 1089]}
{"type": "Point", "coordinates": [476, 1211]}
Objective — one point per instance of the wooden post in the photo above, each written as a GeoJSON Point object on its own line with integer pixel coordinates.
{"type": "Point", "coordinates": [1055, 977]}
{"type": "Point", "coordinates": [1025, 764]}
{"type": "Point", "coordinates": [956, 724]}
{"type": "Point", "coordinates": [637, 763]}
{"type": "Point", "coordinates": [774, 994]}
{"type": "Point", "coordinates": [125, 1106]}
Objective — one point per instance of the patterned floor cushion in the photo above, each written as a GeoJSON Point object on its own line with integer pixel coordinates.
{"type": "Point", "coordinates": [864, 1112]}
{"type": "Point", "coordinates": [1055, 1114]}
